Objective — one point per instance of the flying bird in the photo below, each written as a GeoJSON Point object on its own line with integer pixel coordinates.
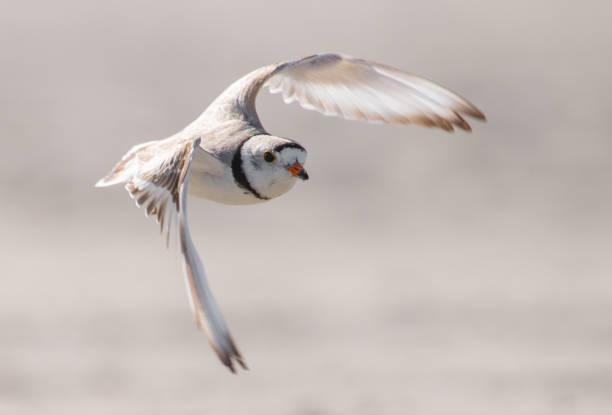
{"type": "Point", "coordinates": [227, 156]}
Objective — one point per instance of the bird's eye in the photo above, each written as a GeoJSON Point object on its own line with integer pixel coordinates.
{"type": "Point", "coordinates": [269, 156]}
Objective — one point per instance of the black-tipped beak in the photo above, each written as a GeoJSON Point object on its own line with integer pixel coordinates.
{"type": "Point", "coordinates": [297, 170]}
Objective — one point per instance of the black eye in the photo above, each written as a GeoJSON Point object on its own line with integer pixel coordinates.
{"type": "Point", "coordinates": [269, 156]}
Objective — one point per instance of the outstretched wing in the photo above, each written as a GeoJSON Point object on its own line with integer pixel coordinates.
{"type": "Point", "coordinates": [354, 88]}
{"type": "Point", "coordinates": [161, 189]}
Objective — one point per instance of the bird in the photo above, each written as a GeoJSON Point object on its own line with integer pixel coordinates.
{"type": "Point", "coordinates": [227, 156]}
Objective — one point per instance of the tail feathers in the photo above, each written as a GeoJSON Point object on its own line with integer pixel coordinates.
{"type": "Point", "coordinates": [125, 169]}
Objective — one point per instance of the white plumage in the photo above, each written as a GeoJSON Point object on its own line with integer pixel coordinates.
{"type": "Point", "coordinates": [227, 156]}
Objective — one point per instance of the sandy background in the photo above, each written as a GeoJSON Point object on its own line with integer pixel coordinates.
{"type": "Point", "coordinates": [416, 272]}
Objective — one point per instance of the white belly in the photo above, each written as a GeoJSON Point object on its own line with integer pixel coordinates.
{"type": "Point", "coordinates": [222, 189]}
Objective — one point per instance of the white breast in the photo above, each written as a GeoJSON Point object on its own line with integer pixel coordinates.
{"type": "Point", "coordinates": [220, 188]}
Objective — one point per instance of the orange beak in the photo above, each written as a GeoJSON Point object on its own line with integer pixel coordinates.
{"type": "Point", "coordinates": [297, 170]}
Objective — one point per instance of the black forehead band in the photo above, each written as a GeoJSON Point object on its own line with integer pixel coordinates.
{"type": "Point", "coordinates": [288, 145]}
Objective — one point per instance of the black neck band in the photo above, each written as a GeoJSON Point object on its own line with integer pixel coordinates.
{"type": "Point", "coordinates": [240, 176]}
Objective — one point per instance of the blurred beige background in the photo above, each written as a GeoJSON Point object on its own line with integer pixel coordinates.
{"type": "Point", "coordinates": [417, 272]}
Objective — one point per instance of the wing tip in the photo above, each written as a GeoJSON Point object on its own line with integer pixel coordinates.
{"type": "Point", "coordinates": [108, 181]}
{"type": "Point", "coordinates": [240, 361]}
{"type": "Point", "coordinates": [460, 122]}
{"type": "Point", "coordinates": [229, 356]}
{"type": "Point", "coordinates": [101, 183]}
{"type": "Point", "coordinates": [474, 112]}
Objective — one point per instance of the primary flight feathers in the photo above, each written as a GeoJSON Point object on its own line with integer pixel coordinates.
{"type": "Point", "coordinates": [362, 90]}
{"type": "Point", "coordinates": [227, 156]}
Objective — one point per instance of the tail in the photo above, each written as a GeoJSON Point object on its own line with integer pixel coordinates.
{"type": "Point", "coordinates": [127, 167]}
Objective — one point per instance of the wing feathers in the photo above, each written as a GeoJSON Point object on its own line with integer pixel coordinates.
{"type": "Point", "coordinates": [160, 188]}
{"type": "Point", "coordinates": [358, 89]}
{"type": "Point", "coordinates": [157, 173]}
{"type": "Point", "coordinates": [207, 312]}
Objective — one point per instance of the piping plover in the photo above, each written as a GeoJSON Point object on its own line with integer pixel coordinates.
{"type": "Point", "coordinates": [227, 156]}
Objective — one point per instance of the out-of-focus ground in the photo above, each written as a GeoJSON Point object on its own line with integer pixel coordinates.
{"type": "Point", "coordinates": [416, 272]}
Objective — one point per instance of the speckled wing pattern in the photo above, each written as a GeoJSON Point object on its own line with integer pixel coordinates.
{"type": "Point", "coordinates": [358, 89]}
{"type": "Point", "coordinates": [162, 192]}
